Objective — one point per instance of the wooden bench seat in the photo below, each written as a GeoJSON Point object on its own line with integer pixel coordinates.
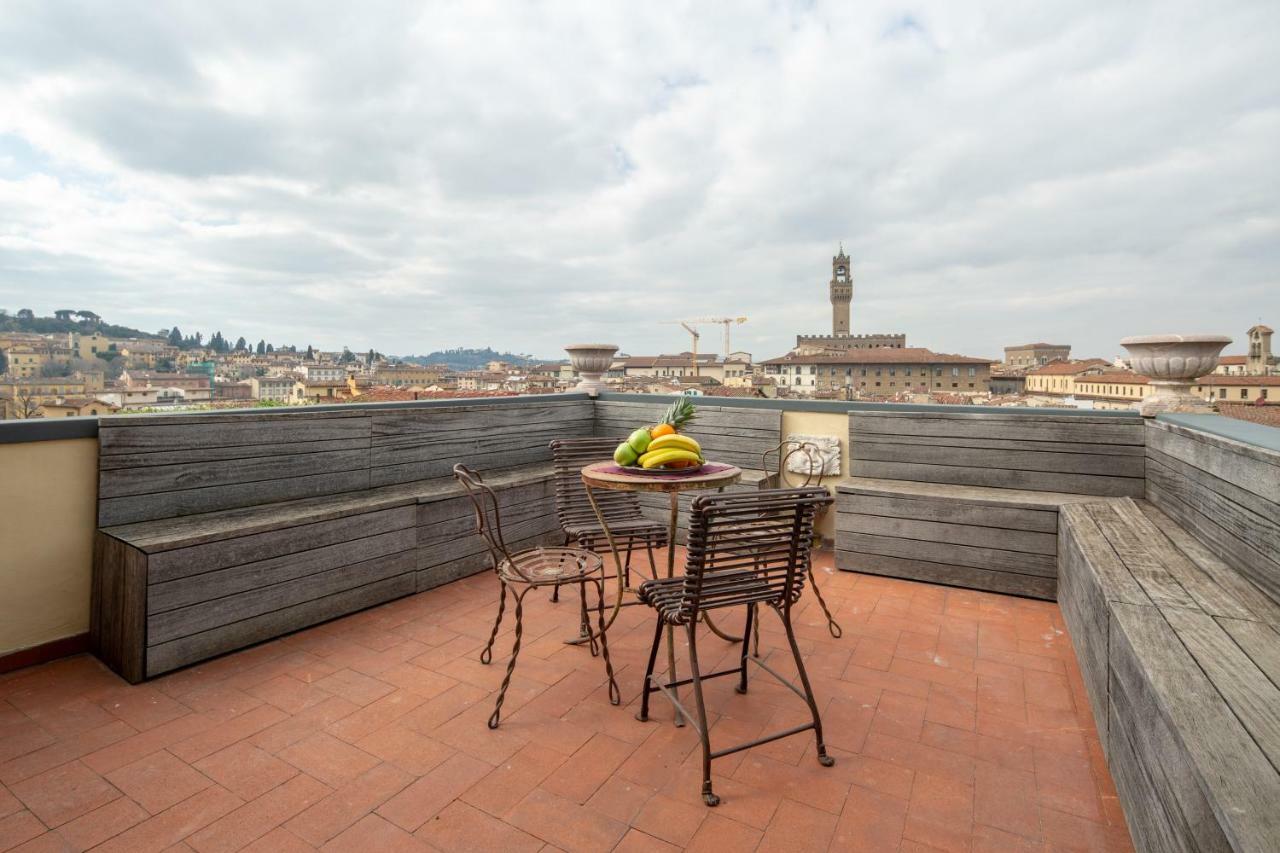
{"type": "Point", "coordinates": [1000, 540]}
{"type": "Point", "coordinates": [1180, 655]}
{"type": "Point", "coordinates": [971, 498]}
{"type": "Point", "coordinates": [223, 530]}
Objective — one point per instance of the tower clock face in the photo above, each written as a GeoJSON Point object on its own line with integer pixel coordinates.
{"type": "Point", "coordinates": [839, 270]}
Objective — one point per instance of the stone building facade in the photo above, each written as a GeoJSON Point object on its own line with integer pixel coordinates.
{"type": "Point", "coordinates": [1034, 355]}
{"type": "Point", "coordinates": [880, 371]}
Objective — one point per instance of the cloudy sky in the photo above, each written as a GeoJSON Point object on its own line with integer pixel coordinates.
{"type": "Point", "coordinates": [413, 176]}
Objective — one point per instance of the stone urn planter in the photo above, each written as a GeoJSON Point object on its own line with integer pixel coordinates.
{"type": "Point", "coordinates": [591, 361]}
{"type": "Point", "coordinates": [1172, 363]}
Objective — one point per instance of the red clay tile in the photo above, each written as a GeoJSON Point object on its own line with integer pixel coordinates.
{"type": "Point", "coordinates": [409, 750]}
{"type": "Point", "coordinates": [566, 824]}
{"type": "Point", "coordinates": [332, 761]}
{"type": "Point", "coordinates": [355, 686]}
{"type": "Point", "coordinates": [511, 781]}
{"type": "Point", "coordinates": [423, 799]}
{"type": "Point", "coordinates": [64, 793]}
{"type": "Point", "coordinates": [245, 770]}
{"type": "Point", "coordinates": [258, 817]}
{"type": "Point", "coordinates": [671, 820]}
{"type": "Point", "coordinates": [374, 833]}
{"type": "Point", "coordinates": [461, 828]}
{"type": "Point", "coordinates": [278, 841]}
{"type": "Point", "coordinates": [798, 827]}
{"type": "Point", "coordinates": [288, 693]}
{"type": "Point", "coordinates": [618, 798]}
{"type": "Point", "coordinates": [1005, 799]}
{"type": "Point", "coordinates": [172, 825]}
{"type": "Point", "coordinates": [871, 820]}
{"type": "Point", "coordinates": [19, 827]}
{"type": "Point", "coordinates": [158, 781]}
{"type": "Point", "coordinates": [899, 715]}
{"type": "Point", "coordinates": [588, 768]}
{"type": "Point", "coordinates": [103, 823]}
{"type": "Point", "coordinates": [220, 737]}
{"type": "Point", "coordinates": [60, 752]}
{"type": "Point", "coordinates": [381, 712]}
{"type": "Point", "coordinates": [141, 706]}
{"type": "Point", "coordinates": [719, 833]}
{"type": "Point", "coordinates": [336, 812]}
{"type": "Point", "coordinates": [940, 812]}
{"type": "Point", "coordinates": [636, 841]}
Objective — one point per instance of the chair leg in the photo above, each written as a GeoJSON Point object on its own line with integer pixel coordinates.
{"type": "Point", "coordinates": [708, 796]}
{"type": "Point", "coordinates": [615, 695]}
{"type": "Point", "coordinates": [626, 566]}
{"type": "Point", "coordinates": [746, 642]}
{"type": "Point", "coordinates": [511, 665]}
{"type": "Point", "coordinates": [643, 714]}
{"type": "Point", "coordinates": [487, 655]}
{"type": "Point", "coordinates": [823, 759]}
{"type": "Point", "coordinates": [584, 625]}
{"type": "Point", "coordinates": [833, 627]}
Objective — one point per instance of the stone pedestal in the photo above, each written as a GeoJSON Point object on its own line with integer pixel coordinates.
{"type": "Point", "coordinates": [592, 362]}
{"type": "Point", "coordinates": [1173, 363]}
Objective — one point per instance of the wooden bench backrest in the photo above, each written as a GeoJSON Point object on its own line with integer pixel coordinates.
{"type": "Point", "coordinates": [1224, 492]}
{"type": "Point", "coordinates": [738, 436]}
{"type": "Point", "coordinates": [156, 467]}
{"type": "Point", "coordinates": [1076, 454]}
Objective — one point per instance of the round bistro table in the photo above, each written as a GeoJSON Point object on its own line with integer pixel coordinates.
{"type": "Point", "coordinates": [604, 475]}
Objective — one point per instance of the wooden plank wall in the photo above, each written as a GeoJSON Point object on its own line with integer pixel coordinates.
{"type": "Point", "coordinates": [1224, 492]}
{"type": "Point", "coordinates": [224, 531]}
{"type": "Point", "coordinates": [1040, 452]}
{"type": "Point", "coordinates": [944, 539]}
{"type": "Point", "coordinates": [1180, 656]}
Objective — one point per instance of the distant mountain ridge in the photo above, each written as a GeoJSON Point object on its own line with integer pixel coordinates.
{"type": "Point", "coordinates": [464, 358]}
{"type": "Point", "coordinates": [21, 322]}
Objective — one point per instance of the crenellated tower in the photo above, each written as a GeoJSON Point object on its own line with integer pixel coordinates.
{"type": "Point", "coordinates": [841, 293]}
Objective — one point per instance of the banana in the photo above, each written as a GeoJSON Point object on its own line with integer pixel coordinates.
{"type": "Point", "coordinates": [656, 458]}
{"type": "Point", "coordinates": [675, 441]}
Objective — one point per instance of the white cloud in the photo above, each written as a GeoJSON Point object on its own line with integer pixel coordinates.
{"type": "Point", "coordinates": [409, 177]}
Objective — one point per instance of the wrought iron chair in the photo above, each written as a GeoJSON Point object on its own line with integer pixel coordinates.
{"type": "Point", "coordinates": [620, 509]}
{"type": "Point", "coordinates": [719, 573]}
{"type": "Point", "coordinates": [527, 569]}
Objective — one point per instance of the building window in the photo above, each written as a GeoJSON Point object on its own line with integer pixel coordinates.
{"type": "Point", "coordinates": [973, 371]}
{"type": "Point", "coordinates": [955, 371]}
{"type": "Point", "coordinates": [1244, 393]}
{"type": "Point", "coordinates": [1222, 393]}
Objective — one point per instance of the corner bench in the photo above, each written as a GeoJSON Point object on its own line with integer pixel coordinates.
{"type": "Point", "coordinates": [1181, 661]}
{"type": "Point", "coordinates": [224, 530]}
{"type": "Point", "coordinates": [972, 498]}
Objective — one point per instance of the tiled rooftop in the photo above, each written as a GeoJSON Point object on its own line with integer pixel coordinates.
{"type": "Point", "coordinates": [958, 720]}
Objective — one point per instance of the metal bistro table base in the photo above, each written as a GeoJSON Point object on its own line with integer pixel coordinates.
{"type": "Point", "coordinates": [604, 475]}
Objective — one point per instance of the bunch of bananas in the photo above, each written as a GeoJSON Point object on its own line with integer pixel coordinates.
{"type": "Point", "coordinates": [672, 451]}
{"type": "Point", "coordinates": [666, 451]}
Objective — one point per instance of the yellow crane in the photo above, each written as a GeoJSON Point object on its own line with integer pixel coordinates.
{"type": "Point", "coordinates": [690, 326]}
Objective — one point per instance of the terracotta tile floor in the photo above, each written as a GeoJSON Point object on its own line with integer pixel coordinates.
{"type": "Point", "coordinates": [958, 720]}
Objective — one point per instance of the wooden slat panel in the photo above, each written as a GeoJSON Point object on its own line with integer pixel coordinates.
{"type": "Point", "coordinates": [1160, 586]}
{"type": "Point", "coordinates": [127, 510]}
{"type": "Point", "coordinates": [1067, 447]}
{"type": "Point", "coordinates": [990, 426]}
{"type": "Point", "coordinates": [197, 647]}
{"type": "Point", "coordinates": [1114, 580]}
{"type": "Point", "coordinates": [118, 607]}
{"type": "Point", "coordinates": [1085, 484]}
{"type": "Point", "coordinates": [1216, 750]}
{"type": "Point", "coordinates": [206, 616]}
{"type": "Point", "coordinates": [252, 548]}
{"type": "Point", "coordinates": [1005, 539]}
{"type": "Point", "coordinates": [998, 458]}
{"type": "Point", "coordinates": [123, 460]}
{"type": "Point", "coordinates": [1086, 612]}
{"type": "Point", "coordinates": [153, 480]}
{"type": "Point", "coordinates": [1248, 692]}
{"type": "Point", "coordinates": [968, 577]}
{"type": "Point", "coordinates": [160, 434]}
{"type": "Point", "coordinates": [207, 586]}
{"type": "Point", "coordinates": [959, 555]}
{"type": "Point", "coordinates": [1248, 468]}
{"type": "Point", "coordinates": [950, 511]}
{"type": "Point", "coordinates": [1260, 642]}
{"type": "Point", "coordinates": [956, 493]}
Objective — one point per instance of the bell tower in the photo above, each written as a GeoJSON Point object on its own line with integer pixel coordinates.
{"type": "Point", "coordinates": [841, 293]}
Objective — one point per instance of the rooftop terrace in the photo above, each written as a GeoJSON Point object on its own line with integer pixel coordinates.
{"type": "Point", "coordinates": [1124, 697]}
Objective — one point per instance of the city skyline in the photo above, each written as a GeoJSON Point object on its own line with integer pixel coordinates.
{"type": "Point", "coordinates": [415, 181]}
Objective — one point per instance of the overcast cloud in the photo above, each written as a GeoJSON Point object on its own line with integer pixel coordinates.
{"type": "Point", "coordinates": [414, 176]}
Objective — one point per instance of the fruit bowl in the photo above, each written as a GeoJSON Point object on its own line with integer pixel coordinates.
{"type": "Point", "coordinates": [656, 472]}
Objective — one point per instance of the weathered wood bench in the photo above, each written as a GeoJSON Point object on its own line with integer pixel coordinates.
{"type": "Point", "coordinates": [737, 436]}
{"type": "Point", "coordinates": [1181, 660]}
{"type": "Point", "coordinates": [971, 498]}
{"type": "Point", "coordinates": [1172, 607]}
{"type": "Point", "coordinates": [219, 531]}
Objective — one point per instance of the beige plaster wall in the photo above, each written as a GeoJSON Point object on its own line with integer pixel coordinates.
{"type": "Point", "coordinates": [48, 515]}
{"type": "Point", "coordinates": [821, 423]}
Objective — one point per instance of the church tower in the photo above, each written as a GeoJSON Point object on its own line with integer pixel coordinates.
{"type": "Point", "coordinates": [841, 293]}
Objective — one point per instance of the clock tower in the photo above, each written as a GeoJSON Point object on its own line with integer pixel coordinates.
{"type": "Point", "coordinates": [841, 293]}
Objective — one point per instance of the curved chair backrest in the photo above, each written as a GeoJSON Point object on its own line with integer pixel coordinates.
{"type": "Point", "coordinates": [488, 515]}
{"type": "Point", "coordinates": [569, 456]}
{"type": "Point", "coordinates": [785, 450]}
{"type": "Point", "coordinates": [730, 563]}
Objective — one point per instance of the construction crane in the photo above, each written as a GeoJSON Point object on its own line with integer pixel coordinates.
{"type": "Point", "coordinates": [727, 322]}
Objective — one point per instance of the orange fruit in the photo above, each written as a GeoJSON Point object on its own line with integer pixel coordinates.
{"type": "Point", "coordinates": [661, 430]}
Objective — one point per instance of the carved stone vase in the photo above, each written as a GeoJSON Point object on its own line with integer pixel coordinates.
{"type": "Point", "coordinates": [1173, 363]}
{"type": "Point", "coordinates": [592, 362]}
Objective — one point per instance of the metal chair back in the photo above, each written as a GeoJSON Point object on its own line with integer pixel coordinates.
{"type": "Point", "coordinates": [765, 562]}
{"type": "Point", "coordinates": [569, 456]}
{"type": "Point", "coordinates": [784, 451]}
{"type": "Point", "coordinates": [488, 516]}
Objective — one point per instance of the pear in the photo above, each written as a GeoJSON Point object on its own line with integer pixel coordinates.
{"type": "Point", "coordinates": [639, 440]}
{"type": "Point", "coordinates": [625, 455]}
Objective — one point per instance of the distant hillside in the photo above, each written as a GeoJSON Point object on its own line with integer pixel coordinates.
{"type": "Point", "coordinates": [80, 322]}
{"type": "Point", "coordinates": [469, 359]}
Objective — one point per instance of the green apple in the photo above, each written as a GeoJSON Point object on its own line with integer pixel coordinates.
{"type": "Point", "coordinates": [639, 441]}
{"type": "Point", "coordinates": [624, 455]}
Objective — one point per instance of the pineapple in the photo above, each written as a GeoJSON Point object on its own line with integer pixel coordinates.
{"type": "Point", "coordinates": [679, 413]}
